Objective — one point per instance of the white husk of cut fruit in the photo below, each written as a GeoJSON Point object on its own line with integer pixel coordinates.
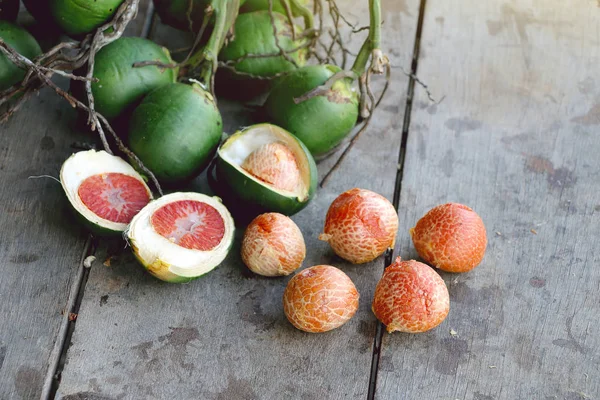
{"type": "Point", "coordinates": [242, 144]}
{"type": "Point", "coordinates": [84, 164]}
{"type": "Point", "coordinates": [151, 248]}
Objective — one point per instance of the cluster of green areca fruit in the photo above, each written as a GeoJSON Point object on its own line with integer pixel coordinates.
{"type": "Point", "coordinates": [166, 111]}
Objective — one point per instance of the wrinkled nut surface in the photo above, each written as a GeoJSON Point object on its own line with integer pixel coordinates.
{"type": "Point", "coordinates": [410, 297]}
{"type": "Point", "coordinates": [450, 237]}
{"type": "Point", "coordinates": [273, 245]}
{"type": "Point", "coordinates": [319, 299]}
{"type": "Point", "coordinates": [360, 225]}
{"type": "Point", "coordinates": [275, 164]}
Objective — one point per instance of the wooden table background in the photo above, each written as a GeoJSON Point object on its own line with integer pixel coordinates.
{"type": "Point", "coordinates": [512, 131]}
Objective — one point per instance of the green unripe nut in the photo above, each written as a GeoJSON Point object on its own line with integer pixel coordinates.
{"type": "Point", "coordinates": [121, 85]}
{"type": "Point", "coordinates": [175, 131]}
{"type": "Point", "coordinates": [25, 44]}
{"type": "Point", "coordinates": [78, 17]}
{"type": "Point", "coordinates": [254, 35]}
{"type": "Point", "coordinates": [321, 122]}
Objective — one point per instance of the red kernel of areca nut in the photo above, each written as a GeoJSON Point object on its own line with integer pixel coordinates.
{"type": "Point", "coordinates": [273, 245]}
{"type": "Point", "coordinates": [360, 225]}
{"type": "Point", "coordinates": [450, 237]}
{"type": "Point", "coordinates": [410, 297]}
{"type": "Point", "coordinates": [319, 299]}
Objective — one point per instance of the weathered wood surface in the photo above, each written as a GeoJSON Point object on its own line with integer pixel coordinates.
{"type": "Point", "coordinates": [225, 336]}
{"type": "Point", "coordinates": [516, 138]}
{"type": "Point", "coordinates": [41, 244]}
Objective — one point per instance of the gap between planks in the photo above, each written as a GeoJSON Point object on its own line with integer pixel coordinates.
{"type": "Point", "coordinates": [63, 339]}
{"type": "Point", "coordinates": [398, 185]}
{"type": "Point", "coordinates": [66, 327]}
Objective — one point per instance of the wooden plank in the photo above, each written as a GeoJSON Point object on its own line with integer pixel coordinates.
{"type": "Point", "coordinates": [225, 335]}
{"type": "Point", "coordinates": [41, 244]}
{"type": "Point", "coordinates": [516, 139]}
{"type": "Point", "coordinates": [40, 250]}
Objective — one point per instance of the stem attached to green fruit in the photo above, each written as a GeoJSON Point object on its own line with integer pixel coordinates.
{"type": "Point", "coordinates": [299, 10]}
{"type": "Point", "coordinates": [379, 65]}
{"type": "Point", "coordinates": [369, 48]}
{"type": "Point", "coordinates": [225, 13]}
{"type": "Point", "coordinates": [371, 44]}
{"type": "Point", "coordinates": [290, 16]}
{"type": "Point", "coordinates": [375, 23]}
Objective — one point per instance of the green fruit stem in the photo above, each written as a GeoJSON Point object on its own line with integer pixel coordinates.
{"type": "Point", "coordinates": [225, 12]}
{"type": "Point", "coordinates": [299, 10]}
{"type": "Point", "coordinates": [369, 48]}
{"type": "Point", "coordinates": [371, 44]}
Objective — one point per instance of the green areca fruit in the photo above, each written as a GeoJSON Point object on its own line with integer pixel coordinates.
{"type": "Point", "coordinates": [25, 44]}
{"type": "Point", "coordinates": [120, 85]}
{"type": "Point", "coordinates": [254, 36]}
{"type": "Point", "coordinates": [258, 5]}
{"type": "Point", "coordinates": [175, 131]}
{"type": "Point", "coordinates": [264, 168]}
{"type": "Point", "coordinates": [321, 122]}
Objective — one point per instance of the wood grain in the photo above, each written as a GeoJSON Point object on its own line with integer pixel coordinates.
{"type": "Point", "coordinates": [516, 138]}
{"type": "Point", "coordinates": [41, 243]}
{"type": "Point", "coordinates": [225, 336]}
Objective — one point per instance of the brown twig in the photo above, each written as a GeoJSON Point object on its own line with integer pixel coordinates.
{"type": "Point", "coordinates": [333, 5]}
{"type": "Point", "coordinates": [325, 48]}
{"type": "Point", "coordinates": [24, 63]}
{"type": "Point", "coordinates": [312, 33]}
{"type": "Point", "coordinates": [335, 45]}
{"type": "Point", "coordinates": [188, 15]}
{"type": "Point", "coordinates": [373, 105]}
{"type": "Point", "coordinates": [230, 64]}
{"type": "Point", "coordinates": [388, 79]}
{"type": "Point", "coordinates": [369, 92]}
{"type": "Point", "coordinates": [131, 154]}
{"type": "Point", "coordinates": [57, 49]}
{"type": "Point", "coordinates": [159, 64]}
{"type": "Point", "coordinates": [282, 52]}
{"type": "Point", "coordinates": [333, 34]}
{"type": "Point", "coordinates": [29, 86]}
{"type": "Point", "coordinates": [249, 75]}
{"type": "Point", "coordinates": [181, 50]}
{"type": "Point", "coordinates": [340, 43]}
{"type": "Point", "coordinates": [320, 13]}
{"type": "Point", "coordinates": [364, 105]}
{"type": "Point", "coordinates": [208, 11]}
{"type": "Point", "coordinates": [290, 16]}
{"type": "Point", "coordinates": [328, 49]}
{"type": "Point", "coordinates": [422, 84]}
{"type": "Point", "coordinates": [351, 53]}
{"type": "Point", "coordinates": [344, 153]}
{"type": "Point", "coordinates": [253, 55]}
{"type": "Point", "coordinates": [351, 144]}
{"type": "Point", "coordinates": [56, 62]}
{"type": "Point", "coordinates": [103, 121]}
{"type": "Point", "coordinates": [320, 59]}
{"type": "Point", "coordinates": [126, 12]}
{"type": "Point", "coordinates": [362, 28]}
{"type": "Point", "coordinates": [324, 88]}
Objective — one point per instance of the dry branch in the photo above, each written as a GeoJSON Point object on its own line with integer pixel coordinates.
{"type": "Point", "coordinates": [63, 59]}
